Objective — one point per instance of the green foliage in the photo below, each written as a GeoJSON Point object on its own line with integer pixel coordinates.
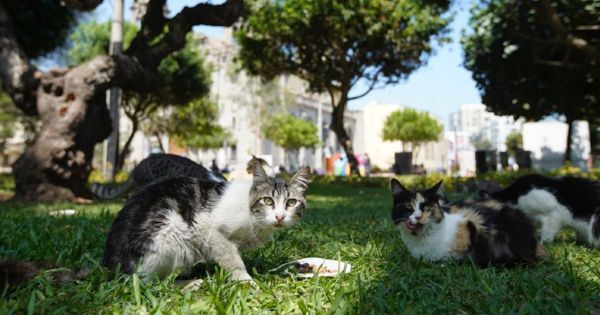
{"type": "Point", "coordinates": [7, 120]}
{"type": "Point", "coordinates": [346, 222]}
{"type": "Point", "coordinates": [40, 26]}
{"type": "Point", "coordinates": [91, 39]}
{"type": "Point", "coordinates": [10, 118]}
{"type": "Point", "coordinates": [195, 125]}
{"type": "Point", "coordinates": [514, 142]}
{"type": "Point", "coordinates": [332, 42]}
{"type": "Point", "coordinates": [289, 132]}
{"type": "Point", "coordinates": [411, 126]}
{"type": "Point", "coordinates": [524, 62]}
{"type": "Point", "coordinates": [481, 143]}
{"type": "Point", "coordinates": [183, 74]}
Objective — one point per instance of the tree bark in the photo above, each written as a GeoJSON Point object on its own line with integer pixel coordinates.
{"type": "Point", "coordinates": [567, 158]}
{"type": "Point", "coordinates": [160, 144]}
{"type": "Point", "coordinates": [71, 102]}
{"type": "Point", "coordinates": [337, 126]}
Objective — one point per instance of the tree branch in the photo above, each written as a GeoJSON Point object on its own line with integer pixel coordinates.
{"type": "Point", "coordinates": [82, 5]}
{"type": "Point", "coordinates": [371, 87]}
{"type": "Point", "coordinates": [206, 14]}
{"type": "Point", "coordinates": [18, 76]}
{"type": "Point", "coordinates": [153, 23]}
{"type": "Point", "coordinates": [557, 26]}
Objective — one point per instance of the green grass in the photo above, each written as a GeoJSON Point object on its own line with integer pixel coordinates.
{"type": "Point", "coordinates": [342, 221]}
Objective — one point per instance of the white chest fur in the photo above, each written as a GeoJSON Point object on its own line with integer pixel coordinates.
{"type": "Point", "coordinates": [436, 243]}
{"type": "Point", "coordinates": [233, 219]}
{"type": "Point", "coordinates": [177, 246]}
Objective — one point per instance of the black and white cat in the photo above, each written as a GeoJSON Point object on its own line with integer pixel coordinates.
{"type": "Point", "coordinates": [171, 225]}
{"type": "Point", "coordinates": [557, 203]}
{"type": "Point", "coordinates": [489, 233]}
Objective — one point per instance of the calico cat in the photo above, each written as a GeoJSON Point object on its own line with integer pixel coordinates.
{"type": "Point", "coordinates": [171, 225]}
{"type": "Point", "coordinates": [557, 203]}
{"type": "Point", "coordinates": [489, 233]}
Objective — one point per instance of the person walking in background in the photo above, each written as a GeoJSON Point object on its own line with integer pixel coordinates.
{"type": "Point", "coordinates": [214, 168]}
{"type": "Point", "coordinates": [367, 162]}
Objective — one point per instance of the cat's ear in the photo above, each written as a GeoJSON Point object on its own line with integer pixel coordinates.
{"type": "Point", "coordinates": [300, 180]}
{"type": "Point", "coordinates": [437, 189]}
{"type": "Point", "coordinates": [259, 175]}
{"type": "Point", "coordinates": [396, 186]}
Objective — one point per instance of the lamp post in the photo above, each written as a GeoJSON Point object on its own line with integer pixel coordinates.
{"type": "Point", "coordinates": [111, 146]}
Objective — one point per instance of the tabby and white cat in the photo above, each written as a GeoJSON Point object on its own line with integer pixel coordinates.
{"type": "Point", "coordinates": [489, 233]}
{"type": "Point", "coordinates": [557, 203]}
{"type": "Point", "coordinates": [171, 225]}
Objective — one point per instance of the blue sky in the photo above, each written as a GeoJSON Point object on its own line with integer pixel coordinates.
{"type": "Point", "coordinates": [439, 87]}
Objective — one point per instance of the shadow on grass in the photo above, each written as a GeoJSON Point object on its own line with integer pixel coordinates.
{"type": "Point", "coordinates": [341, 222]}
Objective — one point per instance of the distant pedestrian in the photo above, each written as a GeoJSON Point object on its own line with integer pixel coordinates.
{"type": "Point", "coordinates": [367, 162]}
{"type": "Point", "coordinates": [214, 168]}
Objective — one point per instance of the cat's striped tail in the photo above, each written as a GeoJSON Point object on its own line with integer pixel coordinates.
{"type": "Point", "coordinates": [14, 272]}
{"type": "Point", "coordinates": [106, 192]}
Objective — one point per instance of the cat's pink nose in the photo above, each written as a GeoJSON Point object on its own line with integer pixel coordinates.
{"type": "Point", "coordinates": [279, 217]}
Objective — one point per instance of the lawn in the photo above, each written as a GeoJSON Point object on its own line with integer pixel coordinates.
{"type": "Point", "coordinates": [342, 221]}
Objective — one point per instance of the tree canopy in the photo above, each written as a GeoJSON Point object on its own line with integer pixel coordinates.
{"type": "Point", "coordinates": [40, 26]}
{"type": "Point", "coordinates": [536, 58]}
{"type": "Point", "coordinates": [410, 126]}
{"type": "Point", "coordinates": [514, 143]}
{"type": "Point", "coordinates": [290, 132]}
{"type": "Point", "coordinates": [334, 44]}
{"type": "Point", "coordinates": [195, 125]}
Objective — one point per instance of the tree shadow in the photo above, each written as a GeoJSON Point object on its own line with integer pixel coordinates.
{"type": "Point", "coordinates": [549, 159]}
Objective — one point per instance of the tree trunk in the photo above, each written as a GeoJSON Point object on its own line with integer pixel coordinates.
{"type": "Point", "coordinates": [567, 158]}
{"type": "Point", "coordinates": [160, 144]}
{"type": "Point", "coordinates": [56, 166]}
{"type": "Point", "coordinates": [337, 126]}
{"type": "Point", "coordinates": [71, 102]}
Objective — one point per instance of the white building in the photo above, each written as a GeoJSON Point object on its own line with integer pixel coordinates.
{"type": "Point", "coordinates": [370, 120]}
{"type": "Point", "coordinates": [547, 141]}
{"type": "Point", "coordinates": [244, 103]}
{"type": "Point", "coordinates": [473, 120]}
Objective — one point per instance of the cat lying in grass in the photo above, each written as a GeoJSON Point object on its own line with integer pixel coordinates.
{"type": "Point", "coordinates": [171, 225]}
{"type": "Point", "coordinates": [569, 202]}
{"type": "Point", "coordinates": [488, 233]}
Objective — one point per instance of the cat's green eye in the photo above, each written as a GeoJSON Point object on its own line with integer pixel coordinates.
{"type": "Point", "coordinates": [290, 203]}
{"type": "Point", "coordinates": [268, 201]}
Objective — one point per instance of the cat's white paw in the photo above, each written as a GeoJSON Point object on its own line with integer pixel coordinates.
{"type": "Point", "coordinates": [241, 276]}
{"type": "Point", "coordinates": [190, 285]}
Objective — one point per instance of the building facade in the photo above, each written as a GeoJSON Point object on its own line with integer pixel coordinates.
{"type": "Point", "coordinates": [473, 128]}
{"type": "Point", "coordinates": [370, 120]}
{"type": "Point", "coordinates": [245, 102]}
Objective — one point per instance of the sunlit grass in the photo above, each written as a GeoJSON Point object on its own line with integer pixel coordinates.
{"type": "Point", "coordinates": [345, 222]}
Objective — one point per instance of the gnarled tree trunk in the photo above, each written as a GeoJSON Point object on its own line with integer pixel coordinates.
{"type": "Point", "coordinates": [74, 118]}
{"type": "Point", "coordinates": [71, 102]}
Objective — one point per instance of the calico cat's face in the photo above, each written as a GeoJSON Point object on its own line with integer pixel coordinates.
{"type": "Point", "coordinates": [276, 202]}
{"type": "Point", "coordinates": [417, 211]}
